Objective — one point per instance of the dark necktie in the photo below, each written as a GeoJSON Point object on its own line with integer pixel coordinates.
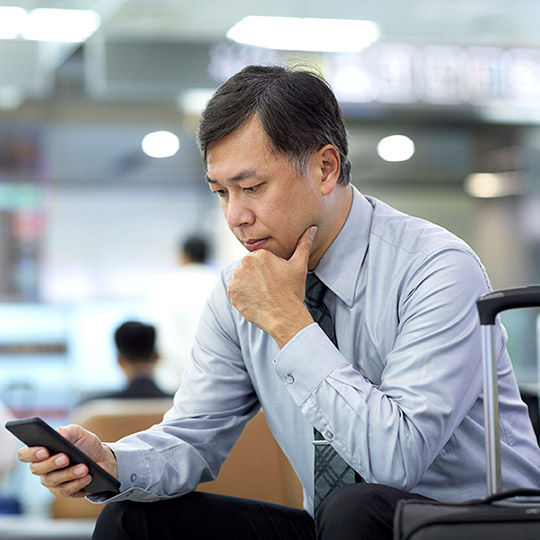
{"type": "Point", "coordinates": [331, 471]}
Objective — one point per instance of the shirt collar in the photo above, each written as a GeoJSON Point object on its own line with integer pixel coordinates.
{"type": "Point", "coordinates": [339, 267]}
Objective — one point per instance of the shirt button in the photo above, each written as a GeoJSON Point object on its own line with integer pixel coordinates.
{"type": "Point", "coordinates": [289, 378]}
{"type": "Point", "coordinates": [328, 435]}
{"type": "Point", "coordinates": [133, 477]}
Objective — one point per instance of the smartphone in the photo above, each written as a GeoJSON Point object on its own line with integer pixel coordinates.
{"type": "Point", "coordinates": [35, 432]}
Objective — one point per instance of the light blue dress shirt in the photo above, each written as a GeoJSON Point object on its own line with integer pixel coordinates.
{"type": "Point", "coordinates": [401, 400]}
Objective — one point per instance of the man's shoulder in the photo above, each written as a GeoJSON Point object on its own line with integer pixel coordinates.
{"type": "Point", "coordinates": [397, 230]}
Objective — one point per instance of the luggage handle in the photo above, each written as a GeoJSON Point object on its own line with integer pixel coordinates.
{"type": "Point", "coordinates": [489, 305]}
{"type": "Point", "coordinates": [494, 302]}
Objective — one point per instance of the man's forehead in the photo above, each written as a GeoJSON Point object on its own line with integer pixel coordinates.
{"type": "Point", "coordinates": [235, 162]}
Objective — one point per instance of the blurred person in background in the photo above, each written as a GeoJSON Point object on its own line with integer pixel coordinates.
{"type": "Point", "coordinates": [175, 307]}
{"type": "Point", "coordinates": [137, 356]}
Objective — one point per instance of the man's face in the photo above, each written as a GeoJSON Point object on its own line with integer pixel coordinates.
{"type": "Point", "coordinates": [266, 203]}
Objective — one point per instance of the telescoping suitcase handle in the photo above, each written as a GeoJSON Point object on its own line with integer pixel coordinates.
{"type": "Point", "coordinates": [494, 302]}
{"type": "Point", "coordinates": [489, 305]}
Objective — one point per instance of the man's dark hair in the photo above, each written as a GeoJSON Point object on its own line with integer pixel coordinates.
{"type": "Point", "coordinates": [196, 248]}
{"type": "Point", "coordinates": [297, 109]}
{"type": "Point", "coordinates": [135, 341]}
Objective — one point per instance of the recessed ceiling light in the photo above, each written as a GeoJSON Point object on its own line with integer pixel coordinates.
{"type": "Point", "coordinates": [305, 34]}
{"type": "Point", "coordinates": [194, 100]}
{"type": "Point", "coordinates": [396, 148]}
{"type": "Point", "coordinates": [491, 185]}
{"type": "Point", "coordinates": [160, 144]}
{"type": "Point", "coordinates": [11, 97]}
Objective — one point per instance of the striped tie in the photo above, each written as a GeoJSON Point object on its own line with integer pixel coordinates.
{"type": "Point", "coordinates": [331, 471]}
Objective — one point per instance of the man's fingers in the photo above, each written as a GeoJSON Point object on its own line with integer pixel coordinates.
{"type": "Point", "coordinates": [72, 432]}
{"type": "Point", "coordinates": [29, 454]}
{"type": "Point", "coordinates": [66, 483]}
{"type": "Point", "coordinates": [303, 247]}
{"type": "Point", "coordinates": [54, 463]}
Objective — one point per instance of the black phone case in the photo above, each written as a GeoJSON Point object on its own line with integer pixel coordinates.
{"type": "Point", "coordinates": [35, 432]}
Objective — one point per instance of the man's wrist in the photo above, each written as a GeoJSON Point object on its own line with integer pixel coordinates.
{"type": "Point", "coordinates": [285, 328]}
{"type": "Point", "coordinates": [111, 460]}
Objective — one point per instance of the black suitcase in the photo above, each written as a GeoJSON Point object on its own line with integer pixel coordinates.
{"type": "Point", "coordinates": [511, 515]}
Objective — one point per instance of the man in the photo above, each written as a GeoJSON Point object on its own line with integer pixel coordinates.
{"type": "Point", "coordinates": [137, 357]}
{"type": "Point", "coordinates": [388, 374]}
{"type": "Point", "coordinates": [175, 306]}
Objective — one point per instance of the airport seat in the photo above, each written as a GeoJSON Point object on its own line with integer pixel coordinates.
{"type": "Point", "coordinates": [110, 420]}
{"type": "Point", "coordinates": [256, 467]}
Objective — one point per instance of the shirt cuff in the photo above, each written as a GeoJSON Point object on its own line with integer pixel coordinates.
{"type": "Point", "coordinates": [306, 360]}
{"type": "Point", "coordinates": [132, 474]}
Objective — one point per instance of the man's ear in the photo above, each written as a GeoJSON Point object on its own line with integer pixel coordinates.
{"type": "Point", "coordinates": [330, 166]}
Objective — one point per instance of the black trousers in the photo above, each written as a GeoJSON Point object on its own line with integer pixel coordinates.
{"type": "Point", "coordinates": [356, 511]}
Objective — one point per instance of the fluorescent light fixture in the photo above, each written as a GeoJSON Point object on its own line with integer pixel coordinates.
{"type": "Point", "coordinates": [491, 185]}
{"type": "Point", "coordinates": [160, 144]}
{"type": "Point", "coordinates": [305, 34]}
{"type": "Point", "coordinates": [61, 25]}
{"type": "Point", "coordinates": [11, 21]}
{"type": "Point", "coordinates": [395, 148]}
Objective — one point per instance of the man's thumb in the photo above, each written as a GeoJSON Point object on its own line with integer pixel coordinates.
{"type": "Point", "coordinates": [303, 248]}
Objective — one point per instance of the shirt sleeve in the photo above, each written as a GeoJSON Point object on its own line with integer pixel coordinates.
{"type": "Point", "coordinates": [211, 407]}
{"type": "Point", "coordinates": [391, 432]}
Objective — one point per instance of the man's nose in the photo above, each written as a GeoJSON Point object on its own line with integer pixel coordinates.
{"type": "Point", "coordinates": [238, 213]}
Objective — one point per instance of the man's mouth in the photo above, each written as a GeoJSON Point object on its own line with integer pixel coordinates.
{"type": "Point", "coordinates": [252, 245]}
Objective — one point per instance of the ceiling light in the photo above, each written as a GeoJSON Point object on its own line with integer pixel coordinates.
{"type": "Point", "coordinates": [11, 21]}
{"type": "Point", "coordinates": [160, 144]}
{"type": "Point", "coordinates": [395, 148]}
{"type": "Point", "coordinates": [305, 34]}
{"type": "Point", "coordinates": [194, 100]}
{"type": "Point", "coordinates": [11, 98]}
{"type": "Point", "coordinates": [491, 185]}
{"type": "Point", "coordinates": [62, 25]}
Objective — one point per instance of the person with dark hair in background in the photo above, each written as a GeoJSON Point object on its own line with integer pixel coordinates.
{"type": "Point", "coordinates": [137, 357]}
{"type": "Point", "coordinates": [351, 324]}
{"type": "Point", "coordinates": [194, 250]}
{"type": "Point", "coordinates": [175, 306]}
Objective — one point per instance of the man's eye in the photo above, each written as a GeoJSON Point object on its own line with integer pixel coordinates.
{"type": "Point", "coordinates": [219, 192]}
{"type": "Point", "coordinates": [251, 189]}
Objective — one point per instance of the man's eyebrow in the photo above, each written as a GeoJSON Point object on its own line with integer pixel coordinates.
{"type": "Point", "coordinates": [242, 175]}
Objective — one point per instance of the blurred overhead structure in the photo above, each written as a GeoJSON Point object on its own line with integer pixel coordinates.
{"type": "Point", "coordinates": [437, 68]}
{"type": "Point", "coordinates": [438, 52]}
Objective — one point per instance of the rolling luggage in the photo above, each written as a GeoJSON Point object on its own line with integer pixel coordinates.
{"type": "Point", "coordinates": [511, 515]}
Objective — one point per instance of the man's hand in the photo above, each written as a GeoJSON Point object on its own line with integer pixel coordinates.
{"type": "Point", "coordinates": [269, 291]}
{"type": "Point", "coordinates": [64, 481]}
